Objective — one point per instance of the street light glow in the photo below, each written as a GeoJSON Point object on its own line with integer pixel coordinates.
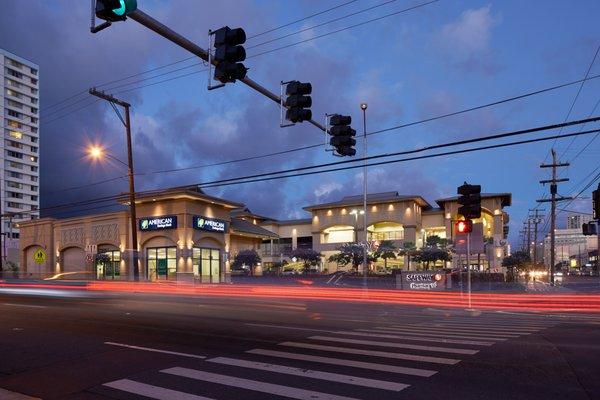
{"type": "Point", "coordinates": [96, 152]}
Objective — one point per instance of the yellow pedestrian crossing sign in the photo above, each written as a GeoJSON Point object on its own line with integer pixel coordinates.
{"type": "Point", "coordinates": [39, 256]}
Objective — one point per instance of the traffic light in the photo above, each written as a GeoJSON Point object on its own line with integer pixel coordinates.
{"type": "Point", "coordinates": [596, 203]}
{"type": "Point", "coordinates": [470, 201]}
{"type": "Point", "coordinates": [228, 54]}
{"type": "Point", "coordinates": [589, 229]}
{"type": "Point", "coordinates": [298, 102]}
{"type": "Point", "coordinates": [115, 10]}
{"type": "Point", "coordinates": [465, 226]}
{"type": "Point", "coordinates": [342, 135]}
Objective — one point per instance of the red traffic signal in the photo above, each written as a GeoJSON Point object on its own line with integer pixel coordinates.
{"type": "Point", "coordinates": [465, 226]}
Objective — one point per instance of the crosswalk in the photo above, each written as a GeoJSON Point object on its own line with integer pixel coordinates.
{"type": "Point", "coordinates": [329, 364]}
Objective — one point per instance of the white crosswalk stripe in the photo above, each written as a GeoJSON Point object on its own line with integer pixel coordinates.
{"type": "Point", "coordinates": [258, 386]}
{"type": "Point", "coordinates": [308, 373]}
{"type": "Point", "coordinates": [344, 362]}
{"type": "Point", "coordinates": [469, 328]}
{"type": "Point", "coordinates": [395, 345]}
{"type": "Point", "coordinates": [151, 391]}
{"type": "Point", "coordinates": [384, 354]}
{"type": "Point", "coordinates": [367, 333]}
{"type": "Point", "coordinates": [435, 334]}
{"type": "Point", "coordinates": [451, 331]}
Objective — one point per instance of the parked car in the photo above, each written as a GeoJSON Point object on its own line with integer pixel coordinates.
{"type": "Point", "coordinates": [290, 272]}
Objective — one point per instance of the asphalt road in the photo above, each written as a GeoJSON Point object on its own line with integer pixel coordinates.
{"type": "Point", "coordinates": [141, 346]}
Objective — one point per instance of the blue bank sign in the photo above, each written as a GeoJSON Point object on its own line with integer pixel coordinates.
{"type": "Point", "coordinates": [156, 223]}
{"type": "Point", "coordinates": [210, 224]}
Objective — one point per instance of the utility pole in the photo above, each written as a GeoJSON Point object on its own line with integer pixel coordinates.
{"type": "Point", "coordinates": [536, 220]}
{"type": "Point", "coordinates": [127, 123]}
{"type": "Point", "coordinates": [553, 199]}
{"type": "Point", "coordinates": [529, 236]}
{"type": "Point", "coordinates": [363, 107]}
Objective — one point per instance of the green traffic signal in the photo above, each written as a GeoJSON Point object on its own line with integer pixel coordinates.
{"type": "Point", "coordinates": [115, 10]}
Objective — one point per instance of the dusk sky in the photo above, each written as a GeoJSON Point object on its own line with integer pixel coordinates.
{"type": "Point", "coordinates": [439, 58]}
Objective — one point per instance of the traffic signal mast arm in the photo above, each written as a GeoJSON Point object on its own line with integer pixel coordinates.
{"type": "Point", "coordinates": [166, 32]}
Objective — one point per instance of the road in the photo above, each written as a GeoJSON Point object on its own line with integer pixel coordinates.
{"type": "Point", "coordinates": [139, 346]}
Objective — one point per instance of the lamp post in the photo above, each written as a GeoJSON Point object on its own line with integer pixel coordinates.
{"type": "Point", "coordinates": [356, 212]}
{"type": "Point", "coordinates": [363, 107]}
{"type": "Point", "coordinates": [97, 153]}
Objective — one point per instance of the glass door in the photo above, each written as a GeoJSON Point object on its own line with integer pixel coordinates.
{"type": "Point", "coordinates": [161, 263]}
{"type": "Point", "coordinates": [206, 264]}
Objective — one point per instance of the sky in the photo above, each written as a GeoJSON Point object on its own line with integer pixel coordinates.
{"type": "Point", "coordinates": [436, 59]}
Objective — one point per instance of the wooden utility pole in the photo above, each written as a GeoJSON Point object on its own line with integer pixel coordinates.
{"type": "Point", "coordinates": [553, 199]}
{"type": "Point", "coordinates": [537, 218]}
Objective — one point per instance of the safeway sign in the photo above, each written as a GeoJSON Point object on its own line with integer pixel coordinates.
{"type": "Point", "coordinates": [423, 280]}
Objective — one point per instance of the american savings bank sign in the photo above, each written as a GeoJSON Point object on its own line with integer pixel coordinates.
{"type": "Point", "coordinates": [210, 224]}
{"type": "Point", "coordinates": [156, 223]}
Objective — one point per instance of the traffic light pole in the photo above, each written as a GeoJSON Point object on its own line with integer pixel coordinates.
{"type": "Point", "coordinates": [469, 268]}
{"type": "Point", "coordinates": [363, 107]}
{"type": "Point", "coordinates": [166, 32]}
{"type": "Point", "coordinates": [132, 212]}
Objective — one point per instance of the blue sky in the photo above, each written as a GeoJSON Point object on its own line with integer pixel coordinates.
{"type": "Point", "coordinates": [439, 58]}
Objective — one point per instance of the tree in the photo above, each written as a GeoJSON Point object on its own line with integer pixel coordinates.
{"type": "Point", "coordinates": [246, 257]}
{"type": "Point", "coordinates": [385, 250]}
{"type": "Point", "coordinates": [410, 251]}
{"type": "Point", "coordinates": [350, 253]}
{"type": "Point", "coordinates": [433, 255]}
{"type": "Point", "coordinates": [519, 260]}
{"type": "Point", "coordinates": [436, 241]}
{"type": "Point", "coordinates": [308, 256]}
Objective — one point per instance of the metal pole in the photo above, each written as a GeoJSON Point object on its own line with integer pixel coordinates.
{"type": "Point", "coordinates": [168, 33]}
{"type": "Point", "coordinates": [553, 218]}
{"type": "Point", "coordinates": [132, 216]}
{"type": "Point", "coordinates": [363, 107]}
{"type": "Point", "coordinates": [469, 268]}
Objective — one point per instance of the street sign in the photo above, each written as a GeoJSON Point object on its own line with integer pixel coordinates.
{"type": "Point", "coordinates": [422, 280]}
{"type": "Point", "coordinates": [39, 256]}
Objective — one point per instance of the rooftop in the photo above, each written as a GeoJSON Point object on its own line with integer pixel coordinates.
{"type": "Point", "coordinates": [373, 198]}
{"type": "Point", "coordinates": [245, 227]}
{"type": "Point", "coordinates": [506, 198]}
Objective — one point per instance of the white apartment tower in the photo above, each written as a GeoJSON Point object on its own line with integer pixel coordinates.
{"type": "Point", "coordinates": [575, 221]}
{"type": "Point", "coordinates": [19, 174]}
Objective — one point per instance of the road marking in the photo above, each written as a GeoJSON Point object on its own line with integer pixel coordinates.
{"type": "Point", "coordinates": [8, 395]}
{"type": "Point", "coordinates": [288, 327]}
{"type": "Point", "coordinates": [344, 362]}
{"type": "Point", "coordinates": [395, 345]}
{"type": "Point", "coordinates": [175, 353]}
{"type": "Point", "coordinates": [436, 334]}
{"type": "Point", "coordinates": [474, 332]}
{"type": "Point", "coordinates": [399, 356]}
{"type": "Point", "coordinates": [22, 305]}
{"type": "Point", "coordinates": [154, 392]}
{"type": "Point", "coordinates": [368, 333]}
{"type": "Point", "coordinates": [258, 386]}
{"type": "Point", "coordinates": [497, 325]}
{"type": "Point", "coordinates": [308, 373]}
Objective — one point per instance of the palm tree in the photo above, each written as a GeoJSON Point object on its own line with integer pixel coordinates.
{"type": "Point", "coordinates": [409, 250]}
{"type": "Point", "coordinates": [385, 250]}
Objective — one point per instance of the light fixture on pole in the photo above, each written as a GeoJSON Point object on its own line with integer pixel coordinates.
{"type": "Point", "coordinates": [356, 212]}
{"type": "Point", "coordinates": [363, 107]}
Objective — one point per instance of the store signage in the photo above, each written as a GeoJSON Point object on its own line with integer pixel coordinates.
{"type": "Point", "coordinates": [155, 223]}
{"type": "Point", "coordinates": [210, 224]}
{"type": "Point", "coordinates": [421, 280]}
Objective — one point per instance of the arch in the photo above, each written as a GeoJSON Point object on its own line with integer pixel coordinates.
{"type": "Point", "coordinates": [30, 267]}
{"type": "Point", "coordinates": [68, 246]}
{"type": "Point", "coordinates": [107, 246]}
{"type": "Point", "coordinates": [158, 240]}
{"type": "Point", "coordinates": [386, 230]}
{"type": "Point", "coordinates": [72, 262]}
{"type": "Point", "coordinates": [208, 242]}
{"type": "Point", "coordinates": [338, 233]}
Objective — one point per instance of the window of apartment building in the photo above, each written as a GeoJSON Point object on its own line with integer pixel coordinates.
{"type": "Point", "coordinates": [14, 154]}
{"type": "Point", "coordinates": [34, 168]}
{"type": "Point", "coordinates": [34, 120]}
{"type": "Point", "coordinates": [12, 143]}
{"type": "Point", "coordinates": [10, 82]}
{"type": "Point", "coordinates": [14, 63]}
{"type": "Point", "coordinates": [34, 188]}
{"type": "Point", "coordinates": [14, 73]}
{"type": "Point", "coordinates": [14, 195]}
{"type": "Point", "coordinates": [34, 100]}
{"type": "Point", "coordinates": [17, 165]}
{"type": "Point", "coordinates": [33, 71]}
{"type": "Point", "coordinates": [34, 198]}
{"type": "Point", "coordinates": [34, 110]}
{"type": "Point", "coordinates": [33, 81]}
{"type": "Point", "coordinates": [13, 124]}
{"type": "Point", "coordinates": [14, 104]}
{"type": "Point", "coordinates": [15, 114]}
{"type": "Point", "coordinates": [15, 185]}
{"type": "Point", "coordinates": [15, 235]}
{"type": "Point", "coordinates": [15, 134]}
{"type": "Point", "coordinates": [33, 159]}
{"type": "Point", "coordinates": [12, 204]}
{"type": "Point", "coordinates": [13, 174]}
{"type": "Point", "coordinates": [34, 149]}
{"type": "Point", "coordinates": [33, 178]}
{"type": "Point", "coordinates": [12, 93]}
{"type": "Point", "coordinates": [34, 91]}
{"type": "Point", "coordinates": [34, 208]}
{"type": "Point", "coordinates": [34, 130]}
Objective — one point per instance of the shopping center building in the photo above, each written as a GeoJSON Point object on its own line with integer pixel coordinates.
{"type": "Point", "coordinates": [186, 234]}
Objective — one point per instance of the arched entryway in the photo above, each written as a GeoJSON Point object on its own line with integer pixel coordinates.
{"type": "Point", "coordinates": [72, 263]}
{"type": "Point", "coordinates": [206, 260]}
{"type": "Point", "coordinates": [161, 258]}
{"type": "Point", "coordinates": [386, 230]}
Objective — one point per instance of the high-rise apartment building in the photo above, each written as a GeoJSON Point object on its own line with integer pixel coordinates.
{"type": "Point", "coordinates": [576, 220]}
{"type": "Point", "coordinates": [19, 174]}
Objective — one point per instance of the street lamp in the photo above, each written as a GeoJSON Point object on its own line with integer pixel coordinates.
{"type": "Point", "coordinates": [356, 212]}
{"type": "Point", "coordinates": [363, 107]}
{"type": "Point", "coordinates": [96, 152]}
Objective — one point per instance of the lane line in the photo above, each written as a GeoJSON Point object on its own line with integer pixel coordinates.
{"type": "Point", "coordinates": [359, 332]}
{"type": "Point", "coordinates": [343, 362]}
{"type": "Point", "coordinates": [469, 330]}
{"type": "Point", "coordinates": [435, 334]}
{"type": "Point", "coordinates": [151, 391]}
{"type": "Point", "coordinates": [384, 354]}
{"type": "Point", "coordinates": [23, 305]}
{"type": "Point", "coordinates": [257, 386]}
{"type": "Point", "coordinates": [308, 373]}
{"type": "Point", "coordinates": [175, 353]}
{"type": "Point", "coordinates": [395, 345]}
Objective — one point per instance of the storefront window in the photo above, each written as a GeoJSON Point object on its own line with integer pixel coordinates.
{"type": "Point", "coordinates": [108, 264]}
{"type": "Point", "coordinates": [161, 263]}
{"type": "Point", "coordinates": [206, 264]}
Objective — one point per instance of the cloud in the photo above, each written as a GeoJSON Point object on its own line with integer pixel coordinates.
{"type": "Point", "coordinates": [466, 41]}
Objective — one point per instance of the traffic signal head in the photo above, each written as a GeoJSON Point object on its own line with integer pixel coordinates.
{"type": "Point", "coordinates": [115, 10]}
{"type": "Point", "coordinates": [342, 135]}
{"type": "Point", "coordinates": [596, 203]}
{"type": "Point", "coordinates": [228, 54]}
{"type": "Point", "coordinates": [589, 229]}
{"type": "Point", "coordinates": [470, 201]}
{"type": "Point", "coordinates": [465, 226]}
{"type": "Point", "coordinates": [298, 102]}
